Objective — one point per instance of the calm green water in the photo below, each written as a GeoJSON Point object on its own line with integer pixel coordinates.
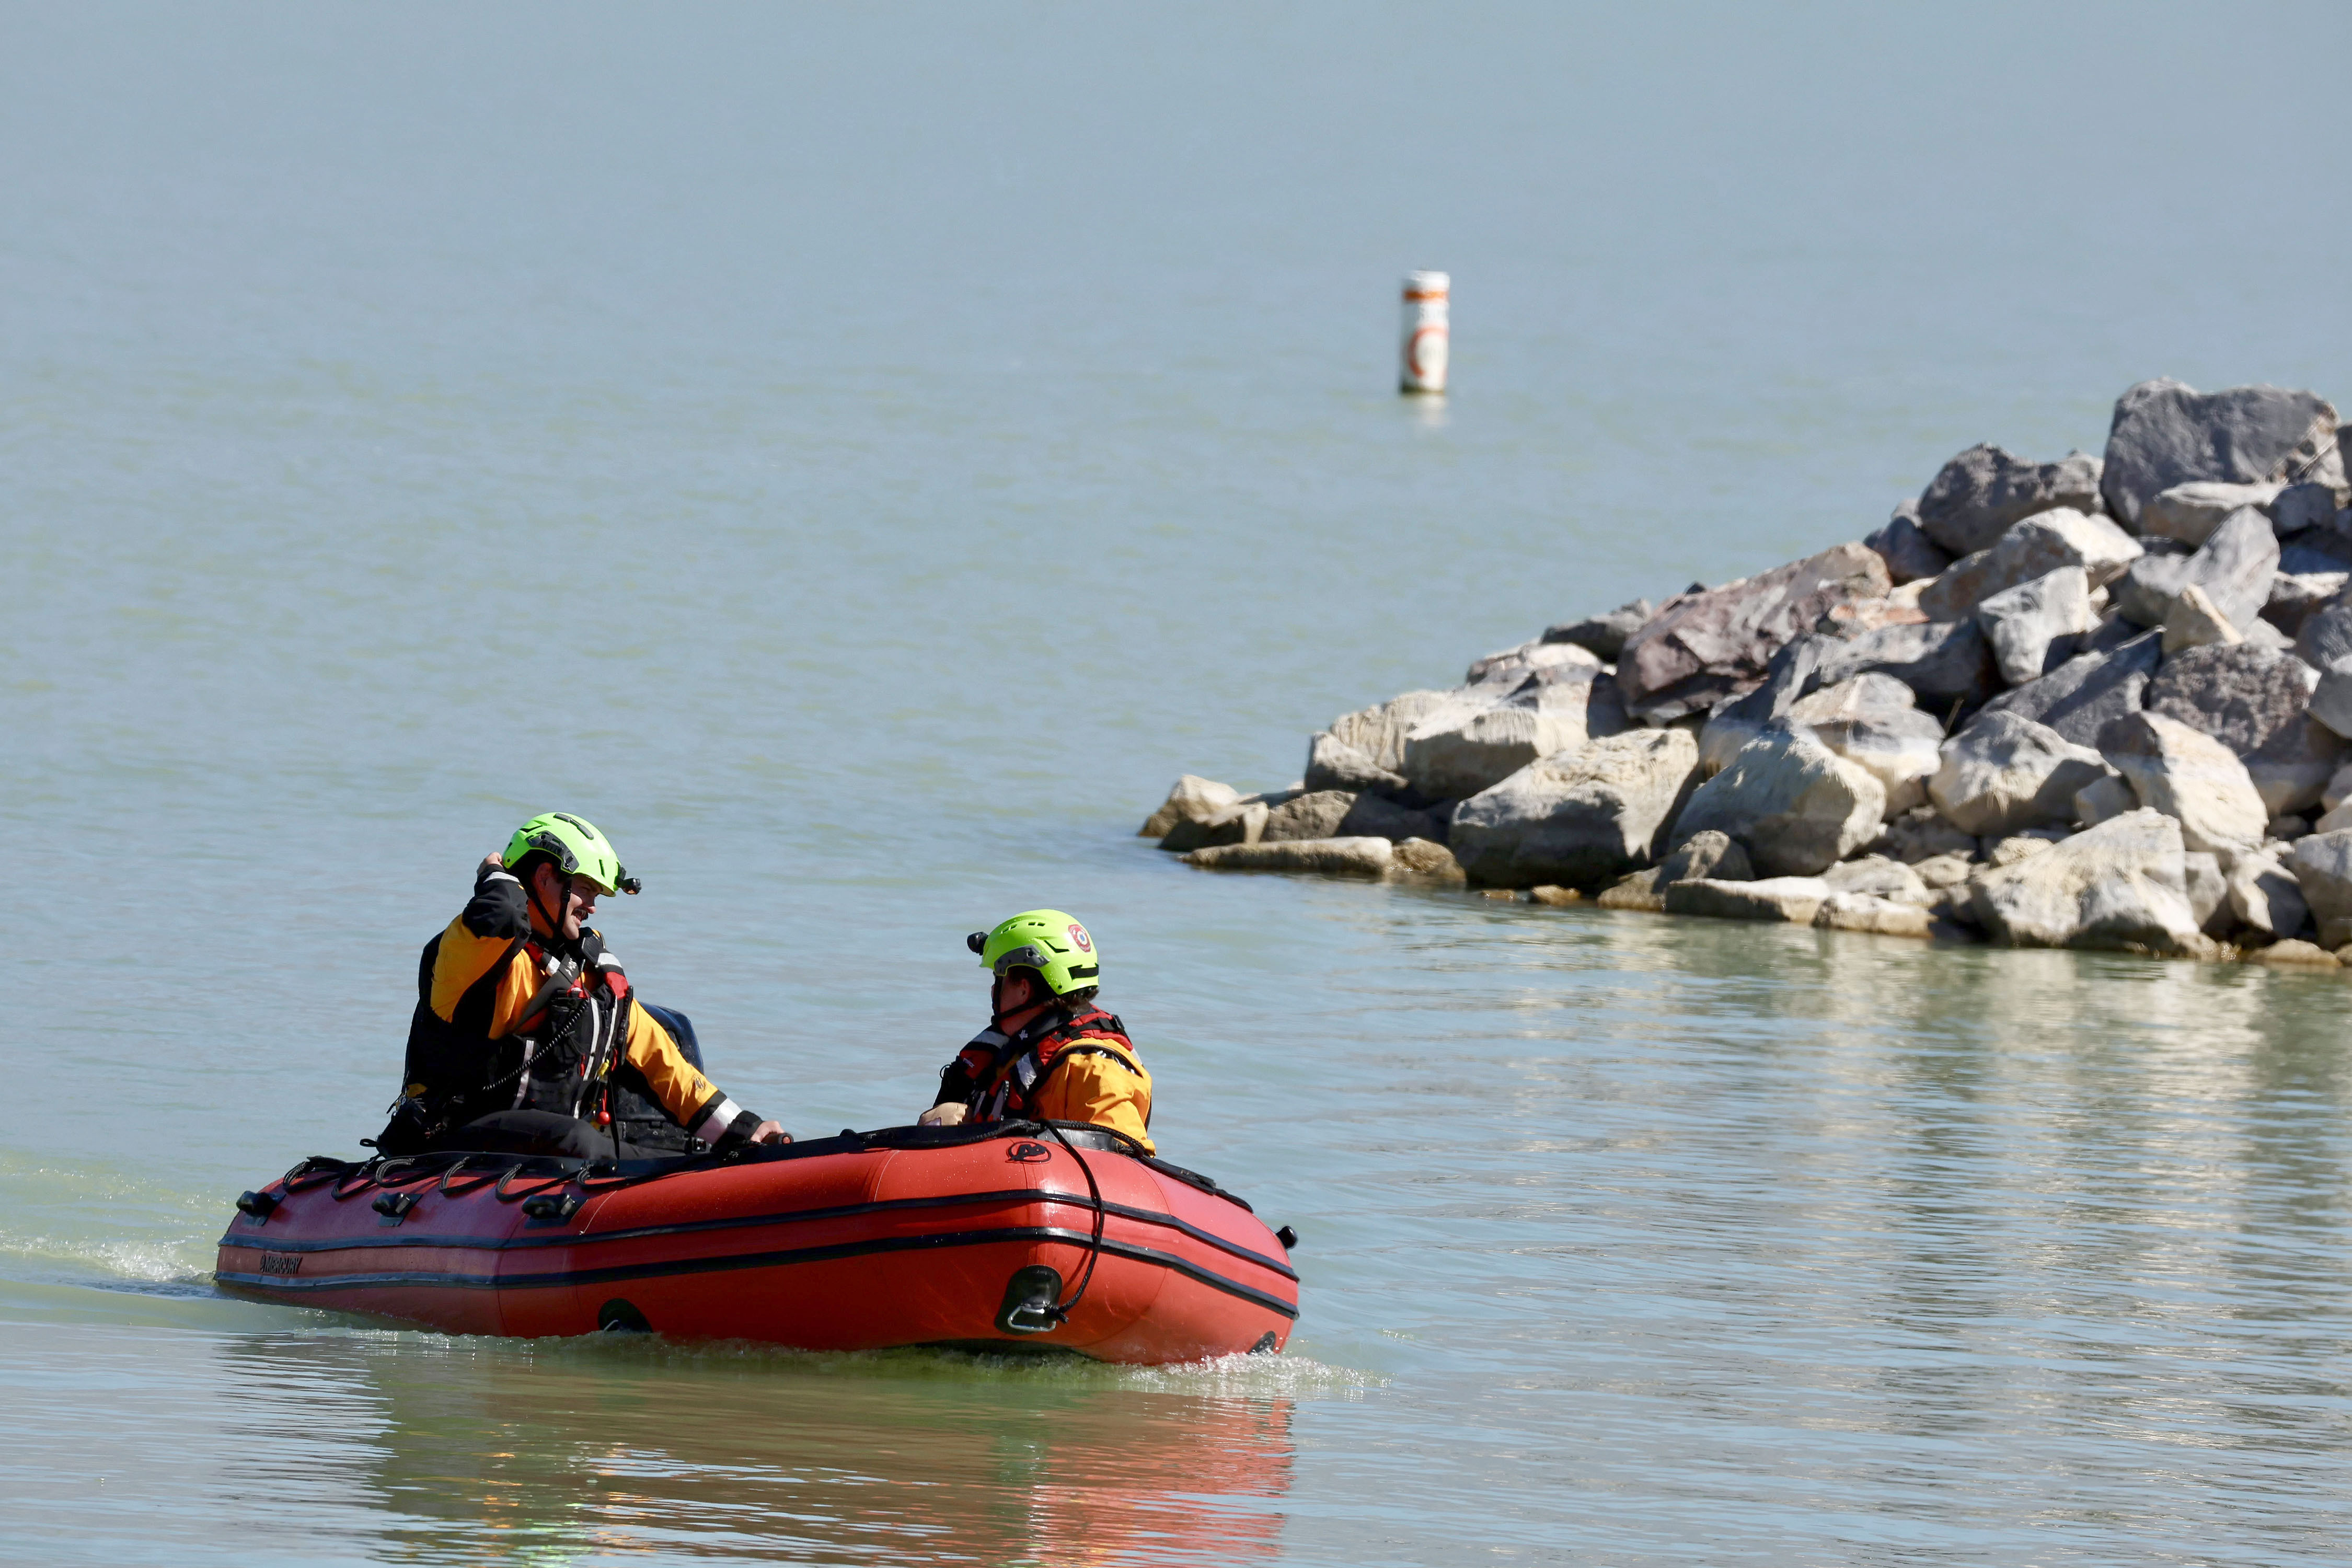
{"type": "Point", "coordinates": [861, 458]}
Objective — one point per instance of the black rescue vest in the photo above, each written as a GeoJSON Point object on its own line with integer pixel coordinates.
{"type": "Point", "coordinates": [568, 1055]}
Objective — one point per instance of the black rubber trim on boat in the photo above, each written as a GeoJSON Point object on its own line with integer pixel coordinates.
{"type": "Point", "coordinates": [690, 1227]}
{"type": "Point", "coordinates": [279, 1286]}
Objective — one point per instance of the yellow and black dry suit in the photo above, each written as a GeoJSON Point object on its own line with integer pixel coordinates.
{"type": "Point", "coordinates": [509, 1019]}
{"type": "Point", "coordinates": [1063, 1066]}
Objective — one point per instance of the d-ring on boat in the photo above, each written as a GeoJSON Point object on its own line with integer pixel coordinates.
{"type": "Point", "coordinates": [1010, 1235]}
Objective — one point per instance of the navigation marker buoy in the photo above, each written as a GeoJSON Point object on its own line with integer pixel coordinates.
{"type": "Point", "coordinates": [1425, 331]}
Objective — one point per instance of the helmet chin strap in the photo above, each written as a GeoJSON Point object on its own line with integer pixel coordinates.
{"type": "Point", "coordinates": [554, 919]}
{"type": "Point", "coordinates": [999, 1013]}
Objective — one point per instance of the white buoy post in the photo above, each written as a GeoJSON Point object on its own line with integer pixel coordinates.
{"type": "Point", "coordinates": [1425, 331]}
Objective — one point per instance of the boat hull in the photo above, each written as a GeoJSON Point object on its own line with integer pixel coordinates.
{"type": "Point", "coordinates": [863, 1242]}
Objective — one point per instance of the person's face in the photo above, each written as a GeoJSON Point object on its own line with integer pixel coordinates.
{"type": "Point", "coordinates": [574, 898]}
{"type": "Point", "coordinates": [1015, 991]}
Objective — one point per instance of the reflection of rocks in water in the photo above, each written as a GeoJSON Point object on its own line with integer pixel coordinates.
{"type": "Point", "coordinates": [543, 1452]}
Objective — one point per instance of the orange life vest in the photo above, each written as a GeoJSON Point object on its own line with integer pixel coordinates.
{"type": "Point", "coordinates": [1008, 1071]}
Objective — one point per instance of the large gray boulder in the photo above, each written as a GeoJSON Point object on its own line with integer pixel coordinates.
{"type": "Point", "coordinates": [2089, 691]}
{"type": "Point", "coordinates": [2324, 641]}
{"type": "Point", "coordinates": [1484, 732]}
{"type": "Point", "coordinates": [2040, 618]}
{"type": "Point", "coordinates": [2190, 777]}
{"type": "Point", "coordinates": [2123, 884]}
{"type": "Point", "coordinates": [2255, 701]}
{"type": "Point", "coordinates": [1910, 555]}
{"type": "Point", "coordinates": [1316, 814]}
{"type": "Point", "coordinates": [1710, 855]}
{"type": "Point", "coordinates": [1371, 816]}
{"type": "Point", "coordinates": [2005, 774]}
{"type": "Point", "coordinates": [2165, 432]}
{"type": "Point", "coordinates": [1948, 664]}
{"type": "Point", "coordinates": [1332, 764]}
{"type": "Point", "coordinates": [2319, 548]}
{"type": "Point", "coordinates": [1976, 498]}
{"type": "Point", "coordinates": [1736, 721]}
{"type": "Point", "coordinates": [1703, 647]}
{"type": "Point", "coordinates": [2298, 507]}
{"type": "Point", "coordinates": [2041, 545]}
{"type": "Point", "coordinates": [2191, 512]}
{"type": "Point", "coordinates": [2322, 865]}
{"type": "Point", "coordinates": [1604, 634]}
{"type": "Point", "coordinates": [1871, 721]}
{"type": "Point", "coordinates": [2296, 597]}
{"type": "Point", "coordinates": [1379, 731]}
{"type": "Point", "coordinates": [1579, 817]}
{"type": "Point", "coordinates": [2235, 567]}
{"type": "Point", "coordinates": [1794, 804]}
{"type": "Point", "coordinates": [1239, 823]}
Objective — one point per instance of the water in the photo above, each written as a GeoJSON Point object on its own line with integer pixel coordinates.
{"type": "Point", "coordinates": [860, 459]}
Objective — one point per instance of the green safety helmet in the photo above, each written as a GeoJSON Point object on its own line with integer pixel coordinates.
{"type": "Point", "coordinates": [1047, 941]}
{"type": "Point", "coordinates": [575, 846]}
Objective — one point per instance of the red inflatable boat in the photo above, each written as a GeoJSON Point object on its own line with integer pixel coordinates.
{"type": "Point", "coordinates": [1014, 1236]}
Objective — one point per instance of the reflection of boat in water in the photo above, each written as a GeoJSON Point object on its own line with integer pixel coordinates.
{"type": "Point", "coordinates": [1018, 1234]}
{"type": "Point", "coordinates": [614, 1450]}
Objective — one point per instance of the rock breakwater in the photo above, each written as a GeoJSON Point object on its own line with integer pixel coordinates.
{"type": "Point", "coordinates": [2090, 703]}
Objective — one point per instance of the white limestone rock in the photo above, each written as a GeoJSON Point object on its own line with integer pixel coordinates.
{"type": "Point", "coordinates": [1792, 900]}
{"type": "Point", "coordinates": [1325, 857]}
{"type": "Point", "coordinates": [2121, 884]}
{"type": "Point", "coordinates": [2025, 624]}
{"type": "Point", "coordinates": [1871, 721]}
{"type": "Point", "coordinates": [2193, 621]}
{"type": "Point", "coordinates": [1379, 731]}
{"type": "Point", "coordinates": [1579, 817]}
{"type": "Point", "coordinates": [2004, 773]}
{"type": "Point", "coordinates": [2035, 548]}
{"type": "Point", "coordinates": [1796, 806]}
{"type": "Point", "coordinates": [2104, 799]}
{"type": "Point", "coordinates": [1879, 877]}
{"type": "Point", "coordinates": [1194, 799]}
{"type": "Point", "coordinates": [1880, 917]}
{"type": "Point", "coordinates": [2190, 777]}
{"type": "Point", "coordinates": [2264, 895]}
{"type": "Point", "coordinates": [1531, 656]}
{"type": "Point", "coordinates": [1484, 734]}
{"type": "Point", "coordinates": [1332, 764]}
{"type": "Point", "coordinates": [2235, 566]}
{"type": "Point", "coordinates": [2191, 511]}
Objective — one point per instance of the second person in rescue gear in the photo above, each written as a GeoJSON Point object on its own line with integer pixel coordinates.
{"type": "Point", "coordinates": [528, 1037]}
{"type": "Point", "coordinates": [1049, 1054]}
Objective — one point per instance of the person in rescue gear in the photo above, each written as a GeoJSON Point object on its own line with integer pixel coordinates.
{"type": "Point", "coordinates": [1049, 1054]}
{"type": "Point", "coordinates": [528, 1037]}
